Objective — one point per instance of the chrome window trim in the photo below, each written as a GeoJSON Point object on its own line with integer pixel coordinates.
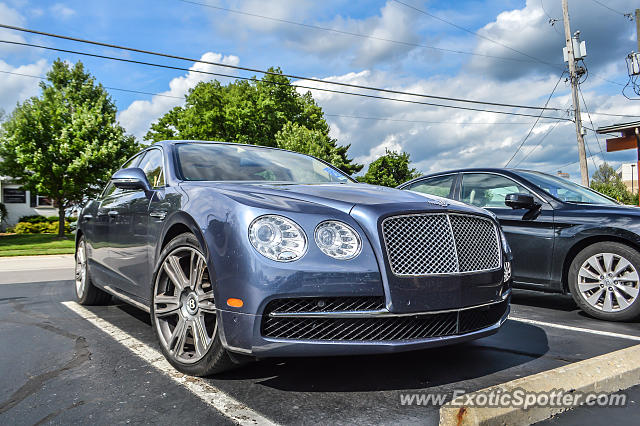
{"type": "Point", "coordinates": [496, 227]}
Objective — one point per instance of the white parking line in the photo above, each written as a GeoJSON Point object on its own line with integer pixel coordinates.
{"type": "Point", "coordinates": [580, 329]}
{"type": "Point", "coordinates": [225, 404]}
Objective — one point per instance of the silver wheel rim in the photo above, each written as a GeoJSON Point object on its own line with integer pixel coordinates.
{"type": "Point", "coordinates": [184, 307]}
{"type": "Point", "coordinates": [81, 270]}
{"type": "Point", "coordinates": [608, 282]}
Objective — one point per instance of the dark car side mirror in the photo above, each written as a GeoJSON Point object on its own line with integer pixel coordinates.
{"type": "Point", "coordinates": [132, 178]}
{"type": "Point", "coordinates": [520, 201]}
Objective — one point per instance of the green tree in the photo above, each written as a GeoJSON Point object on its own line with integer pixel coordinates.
{"type": "Point", "coordinates": [391, 169]}
{"type": "Point", "coordinates": [296, 137]}
{"type": "Point", "coordinates": [606, 181]}
{"type": "Point", "coordinates": [66, 143]}
{"type": "Point", "coordinates": [252, 112]}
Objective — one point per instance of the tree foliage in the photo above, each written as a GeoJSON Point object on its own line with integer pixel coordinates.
{"type": "Point", "coordinates": [391, 169]}
{"type": "Point", "coordinates": [606, 181]}
{"type": "Point", "coordinates": [66, 143]}
{"type": "Point", "coordinates": [253, 112]}
{"type": "Point", "coordinates": [296, 137]}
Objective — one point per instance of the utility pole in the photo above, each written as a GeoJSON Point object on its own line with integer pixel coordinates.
{"type": "Point", "coordinates": [638, 28]}
{"type": "Point", "coordinates": [573, 77]}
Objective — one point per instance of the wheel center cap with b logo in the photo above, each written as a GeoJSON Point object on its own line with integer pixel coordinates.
{"type": "Point", "coordinates": [192, 304]}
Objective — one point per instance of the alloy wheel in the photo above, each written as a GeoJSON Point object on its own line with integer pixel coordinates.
{"type": "Point", "coordinates": [608, 282]}
{"type": "Point", "coordinates": [81, 270]}
{"type": "Point", "coordinates": [184, 306]}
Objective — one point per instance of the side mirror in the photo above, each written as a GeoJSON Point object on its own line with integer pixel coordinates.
{"type": "Point", "coordinates": [131, 179]}
{"type": "Point", "coordinates": [520, 201]}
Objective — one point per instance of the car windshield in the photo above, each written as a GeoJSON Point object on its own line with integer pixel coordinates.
{"type": "Point", "coordinates": [238, 162]}
{"type": "Point", "coordinates": [566, 190]}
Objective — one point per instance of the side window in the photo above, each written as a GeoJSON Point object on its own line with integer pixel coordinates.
{"type": "Point", "coordinates": [488, 190]}
{"type": "Point", "coordinates": [152, 165]}
{"type": "Point", "coordinates": [440, 186]}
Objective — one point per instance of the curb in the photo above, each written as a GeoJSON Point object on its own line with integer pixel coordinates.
{"type": "Point", "coordinates": [606, 373]}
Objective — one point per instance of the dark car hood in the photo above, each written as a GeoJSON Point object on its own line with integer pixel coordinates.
{"type": "Point", "coordinates": [343, 197]}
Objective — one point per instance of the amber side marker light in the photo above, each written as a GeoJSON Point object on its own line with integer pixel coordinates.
{"type": "Point", "coordinates": [235, 303]}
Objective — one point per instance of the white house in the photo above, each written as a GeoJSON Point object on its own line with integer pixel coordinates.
{"type": "Point", "coordinates": [628, 172]}
{"type": "Point", "coordinates": [22, 203]}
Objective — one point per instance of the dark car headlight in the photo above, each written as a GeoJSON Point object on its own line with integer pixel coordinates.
{"type": "Point", "coordinates": [278, 238]}
{"type": "Point", "coordinates": [338, 240]}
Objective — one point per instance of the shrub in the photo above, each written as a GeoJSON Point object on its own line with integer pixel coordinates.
{"type": "Point", "coordinates": [36, 218]}
{"type": "Point", "coordinates": [39, 228]}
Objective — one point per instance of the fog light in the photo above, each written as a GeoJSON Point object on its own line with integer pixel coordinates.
{"type": "Point", "coordinates": [235, 303]}
{"type": "Point", "coordinates": [507, 271]}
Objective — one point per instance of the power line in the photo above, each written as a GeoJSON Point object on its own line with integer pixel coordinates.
{"type": "Point", "coordinates": [554, 66]}
{"type": "Point", "coordinates": [475, 33]}
{"type": "Point", "coordinates": [535, 122]}
{"type": "Point", "coordinates": [626, 15]}
{"type": "Point", "coordinates": [364, 95]}
{"type": "Point", "coordinates": [538, 144]}
{"type": "Point", "coordinates": [106, 87]}
{"type": "Point", "coordinates": [462, 123]}
{"type": "Point", "coordinates": [349, 33]}
{"type": "Point", "coordinates": [293, 76]}
{"type": "Point", "coordinates": [584, 102]}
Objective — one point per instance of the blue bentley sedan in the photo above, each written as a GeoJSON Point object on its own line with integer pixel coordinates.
{"type": "Point", "coordinates": [241, 252]}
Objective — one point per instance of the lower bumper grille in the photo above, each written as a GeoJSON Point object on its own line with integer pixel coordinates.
{"type": "Point", "coordinates": [383, 328]}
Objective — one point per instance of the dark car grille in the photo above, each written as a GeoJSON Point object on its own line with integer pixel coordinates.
{"type": "Point", "coordinates": [326, 304]}
{"type": "Point", "coordinates": [383, 328]}
{"type": "Point", "coordinates": [425, 244]}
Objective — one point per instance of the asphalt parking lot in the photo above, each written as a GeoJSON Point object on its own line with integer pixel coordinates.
{"type": "Point", "coordinates": [61, 363]}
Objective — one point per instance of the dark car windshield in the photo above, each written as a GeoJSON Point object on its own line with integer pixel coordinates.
{"type": "Point", "coordinates": [566, 190]}
{"type": "Point", "coordinates": [238, 162]}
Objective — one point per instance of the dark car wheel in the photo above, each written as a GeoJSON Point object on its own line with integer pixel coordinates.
{"type": "Point", "coordinates": [604, 281]}
{"type": "Point", "coordinates": [184, 312]}
{"type": "Point", "coordinates": [86, 292]}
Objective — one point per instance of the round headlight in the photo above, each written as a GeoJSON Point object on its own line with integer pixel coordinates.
{"type": "Point", "coordinates": [278, 238]}
{"type": "Point", "coordinates": [338, 240]}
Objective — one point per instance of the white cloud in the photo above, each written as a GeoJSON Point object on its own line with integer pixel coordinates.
{"type": "Point", "coordinates": [440, 138]}
{"type": "Point", "coordinates": [62, 11]}
{"type": "Point", "coordinates": [17, 88]}
{"type": "Point", "coordinates": [138, 117]}
{"type": "Point", "coordinates": [528, 30]}
{"type": "Point", "coordinates": [390, 22]}
{"type": "Point", "coordinates": [11, 17]}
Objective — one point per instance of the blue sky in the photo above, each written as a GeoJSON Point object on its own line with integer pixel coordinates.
{"type": "Point", "coordinates": [459, 139]}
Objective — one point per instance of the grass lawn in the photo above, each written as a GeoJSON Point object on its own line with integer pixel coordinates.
{"type": "Point", "coordinates": [35, 244]}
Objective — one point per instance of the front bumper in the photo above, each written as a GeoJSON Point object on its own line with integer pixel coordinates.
{"type": "Point", "coordinates": [245, 333]}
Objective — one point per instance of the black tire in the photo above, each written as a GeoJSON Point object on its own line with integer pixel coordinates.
{"type": "Point", "coordinates": [216, 358]}
{"type": "Point", "coordinates": [628, 313]}
{"type": "Point", "coordinates": [86, 293]}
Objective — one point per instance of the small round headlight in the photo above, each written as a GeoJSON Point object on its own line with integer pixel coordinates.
{"type": "Point", "coordinates": [278, 238]}
{"type": "Point", "coordinates": [338, 240]}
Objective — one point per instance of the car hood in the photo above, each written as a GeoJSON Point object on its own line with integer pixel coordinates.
{"type": "Point", "coordinates": [343, 197]}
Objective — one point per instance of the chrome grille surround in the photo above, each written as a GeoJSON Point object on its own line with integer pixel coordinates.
{"type": "Point", "coordinates": [441, 243]}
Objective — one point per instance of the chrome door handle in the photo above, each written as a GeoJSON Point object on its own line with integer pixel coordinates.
{"type": "Point", "coordinates": [113, 213]}
{"type": "Point", "coordinates": [158, 215]}
{"type": "Point", "coordinates": [87, 217]}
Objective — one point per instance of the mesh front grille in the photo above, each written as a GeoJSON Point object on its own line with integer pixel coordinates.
{"type": "Point", "coordinates": [440, 243]}
{"type": "Point", "coordinates": [476, 243]}
{"type": "Point", "coordinates": [421, 326]}
{"type": "Point", "coordinates": [326, 304]}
